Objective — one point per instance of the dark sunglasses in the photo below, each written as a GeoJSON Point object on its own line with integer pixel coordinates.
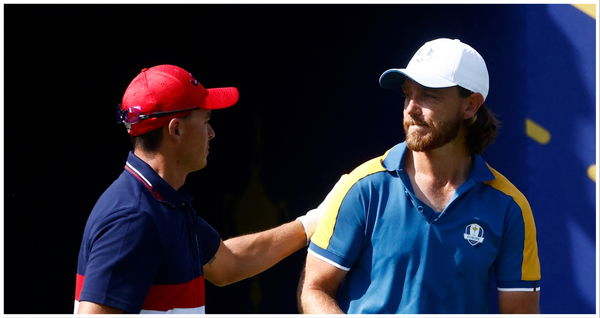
{"type": "Point", "coordinates": [133, 114]}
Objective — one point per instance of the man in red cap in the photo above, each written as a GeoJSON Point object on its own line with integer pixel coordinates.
{"type": "Point", "coordinates": [144, 249]}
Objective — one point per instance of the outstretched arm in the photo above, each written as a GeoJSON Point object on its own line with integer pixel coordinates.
{"type": "Point", "coordinates": [245, 256]}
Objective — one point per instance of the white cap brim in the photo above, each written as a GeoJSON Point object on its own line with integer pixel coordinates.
{"type": "Point", "coordinates": [393, 78]}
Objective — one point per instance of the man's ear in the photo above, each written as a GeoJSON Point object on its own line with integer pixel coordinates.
{"type": "Point", "coordinates": [175, 129]}
{"type": "Point", "coordinates": [473, 102]}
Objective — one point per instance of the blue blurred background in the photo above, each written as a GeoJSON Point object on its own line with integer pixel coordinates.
{"type": "Point", "coordinates": [310, 110]}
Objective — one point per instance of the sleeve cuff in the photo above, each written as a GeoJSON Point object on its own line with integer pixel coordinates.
{"type": "Point", "coordinates": [519, 285]}
{"type": "Point", "coordinates": [328, 257]}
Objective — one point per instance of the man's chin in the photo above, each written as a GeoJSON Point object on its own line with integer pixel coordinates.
{"type": "Point", "coordinates": [201, 165]}
{"type": "Point", "coordinates": [419, 144]}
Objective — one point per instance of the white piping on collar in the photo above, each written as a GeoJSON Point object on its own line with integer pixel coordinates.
{"type": "Point", "coordinates": [138, 173]}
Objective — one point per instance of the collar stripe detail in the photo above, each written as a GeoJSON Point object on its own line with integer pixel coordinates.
{"type": "Point", "coordinates": [143, 179]}
{"type": "Point", "coordinates": [139, 174]}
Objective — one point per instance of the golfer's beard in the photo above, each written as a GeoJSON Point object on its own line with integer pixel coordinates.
{"type": "Point", "coordinates": [433, 137]}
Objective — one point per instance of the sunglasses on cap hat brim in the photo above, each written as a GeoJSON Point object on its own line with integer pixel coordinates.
{"type": "Point", "coordinates": [133, 115]}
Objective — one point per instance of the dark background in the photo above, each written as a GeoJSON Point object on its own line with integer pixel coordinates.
{"type": "Point", "coordinates": [310, 109]}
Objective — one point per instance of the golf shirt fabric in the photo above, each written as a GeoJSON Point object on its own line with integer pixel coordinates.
{"type": "Point", "coordinates": [144, 246]}
{"type": "Point", "coordinates": [403, 257]}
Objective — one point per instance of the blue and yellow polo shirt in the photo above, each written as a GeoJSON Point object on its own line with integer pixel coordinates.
{"type": "Point", "coordinates": [403, 257]}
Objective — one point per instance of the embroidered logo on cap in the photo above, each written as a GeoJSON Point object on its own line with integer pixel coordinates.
{"type": "Point", "coordinates": [474, 234]}
{"type": "Point", "coordinates": [424, 54]}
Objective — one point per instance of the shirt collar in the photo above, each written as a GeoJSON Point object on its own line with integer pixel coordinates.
{"type": "Point", "coordinates": [161, 190]}
{"type": "Point", "coordinates": [395, 157]}
{"type": "Point", "coordinates": [481, 171]}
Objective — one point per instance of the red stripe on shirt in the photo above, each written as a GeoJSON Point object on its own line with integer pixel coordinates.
{"type": "Point", "coordinates": [138, 177]}
{"type": "Point", "coordinates": [149, 187]}
{"type": "Point", "coordinates": [186, 295]}
{"type": "Point", "coordinates": [78, 285]}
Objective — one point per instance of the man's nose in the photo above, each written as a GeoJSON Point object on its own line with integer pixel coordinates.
{"type": "Point", "coordinates": [211, 132]}
{"type": "Point", "coordinates": [411, 106]}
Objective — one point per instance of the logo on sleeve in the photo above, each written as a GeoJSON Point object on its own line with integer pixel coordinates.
{"type": "Point", "coordinates": [474, 234]}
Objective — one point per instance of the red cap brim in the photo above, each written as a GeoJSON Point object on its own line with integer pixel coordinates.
{"type": "Point", "coordinates": [222, 97]}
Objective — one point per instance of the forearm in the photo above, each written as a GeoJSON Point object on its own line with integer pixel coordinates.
{"type": "Point", "coordinates": [318, 286]}
{"type": "Point", "coordinates": [316, 301]}
{"type": "Point", "coordinates": [255, 253]}
{"type": "Point", "coordinates": [519, 302]}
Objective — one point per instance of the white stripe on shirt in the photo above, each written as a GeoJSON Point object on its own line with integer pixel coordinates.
{"type": "Point", "coordinates": [138, 173]}
{"type": "Point", "coordinates": [326, 260]}
{"type": "Point", "coordinates": [196, 310]}
{"type": "Point", "coordinates": [519, 289]}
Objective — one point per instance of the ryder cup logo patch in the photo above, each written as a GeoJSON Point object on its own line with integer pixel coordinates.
{"type": "Point", "coordinates": [474, 234]}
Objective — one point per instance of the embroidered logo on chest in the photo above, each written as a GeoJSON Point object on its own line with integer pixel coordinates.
{"type": "Point", "coordinates": [474, 234]}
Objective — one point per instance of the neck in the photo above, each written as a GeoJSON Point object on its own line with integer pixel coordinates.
{"type": "Point", "coordinates": [447, 165]}
{"type": "Point", "coordinates": [164, 166]}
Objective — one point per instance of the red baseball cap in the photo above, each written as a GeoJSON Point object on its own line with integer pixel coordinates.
{"type": "Point", "coordinates": [163, 92]}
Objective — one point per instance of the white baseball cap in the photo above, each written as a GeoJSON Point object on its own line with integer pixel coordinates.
{"type": "Point", "coordinates": [442, 63]}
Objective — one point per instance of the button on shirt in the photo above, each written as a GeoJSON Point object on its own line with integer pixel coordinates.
{"type": "Point", "coordinates": [144, 246]}
{"type": "Point", "coordinates": [404, 257]}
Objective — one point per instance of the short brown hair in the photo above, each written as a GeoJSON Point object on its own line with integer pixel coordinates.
{"type": "Point", "coordinates": [149, 141]}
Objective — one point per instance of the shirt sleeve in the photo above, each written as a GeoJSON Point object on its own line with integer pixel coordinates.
{"type": "Point", "coordinates": [517, 267]}
{"type": "Point", "coordinates": [208, 240]}
{"type": "Point", "coordinates": [340, 235]}
{"type": "Point", "coordinates": [123, 261]}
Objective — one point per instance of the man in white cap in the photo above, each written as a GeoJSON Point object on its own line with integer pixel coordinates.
{"type": "Point", "coordinates": [422, 228]}
{"type": "Point", "coordinates": [144, 248]}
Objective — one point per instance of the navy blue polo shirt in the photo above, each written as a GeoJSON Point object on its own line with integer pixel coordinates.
{"type": "Point", "coordinates": [144, 246]}
{"type": "Point", "coordinates": [403, 257]}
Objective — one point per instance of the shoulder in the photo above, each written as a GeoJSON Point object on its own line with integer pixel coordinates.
{"type": "Point", "coordinates": [359, 180]}
{"type": "Point", "coordinates": [504, 186]}
{"type": "Point", "coordinates": [124, 192]}
{"type": "Point", "coordinates": [367, 168]}
{"type": "Point", "coordinates": [352, 192]}
{"type": "Point", "coordinates": [125, 200]}
{"type": "Point", "coordinates": [391, 160]}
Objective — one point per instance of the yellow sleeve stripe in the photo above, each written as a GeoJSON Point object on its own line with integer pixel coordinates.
{"type": "Point", "coordinates": [530, 269]}
{"type": "Point", "coordinates": [324, 230]}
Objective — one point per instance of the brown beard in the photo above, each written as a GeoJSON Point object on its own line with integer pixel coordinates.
{"type": "Point", "coordinates": [438, 134]}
